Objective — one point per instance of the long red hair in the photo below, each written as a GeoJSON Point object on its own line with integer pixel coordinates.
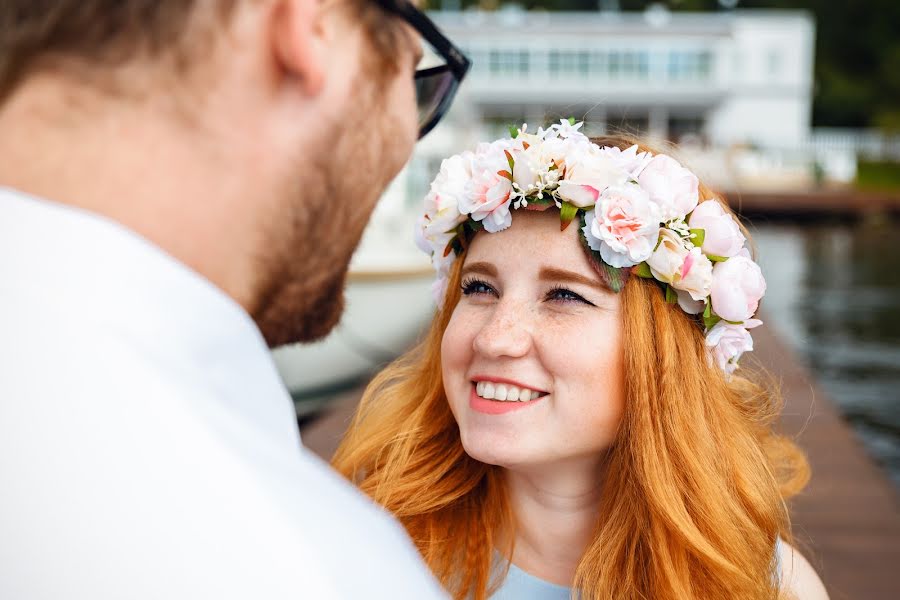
{"type": "Point", "coordinates": [696, 482]}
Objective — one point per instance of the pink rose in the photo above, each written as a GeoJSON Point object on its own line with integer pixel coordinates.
{"type": "Point", "coordinates": [487, 193]}
{"type": "Point", "coordinates": [727, 342]}
{"type": "Point", "coordinates": [737, 287]}
{"type": "Point", "coordinates": [626, 223]}
{"type": "Point", "coordinates": [722, 235]}
{"type": "Point", "coordinates": [671, 186]}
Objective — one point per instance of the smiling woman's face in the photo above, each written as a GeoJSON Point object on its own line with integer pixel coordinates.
{"type": "Point", "coordinates": [535, 320]}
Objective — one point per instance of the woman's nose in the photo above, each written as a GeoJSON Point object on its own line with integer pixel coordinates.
{"type": "Point", "coordinates": [506, 333]}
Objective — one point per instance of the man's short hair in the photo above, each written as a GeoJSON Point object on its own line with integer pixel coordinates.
{"type": "Point", "coordinates": [40, 34]}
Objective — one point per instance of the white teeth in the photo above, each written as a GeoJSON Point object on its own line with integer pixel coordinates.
{"type": "Point", "coordinates": [504, 392]}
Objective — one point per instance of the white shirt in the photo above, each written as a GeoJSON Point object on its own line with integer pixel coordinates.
{"type": "Point", "coordinates": [148, 448]}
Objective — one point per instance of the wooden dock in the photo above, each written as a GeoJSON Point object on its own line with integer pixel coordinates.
{"type": "Point", "coordinates": [815, 204]}
{"type": "Point", "coordinates": [846, 522]}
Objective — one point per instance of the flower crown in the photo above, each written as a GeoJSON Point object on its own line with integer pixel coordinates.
{"type": "Point", "coordinates": [638, 213]}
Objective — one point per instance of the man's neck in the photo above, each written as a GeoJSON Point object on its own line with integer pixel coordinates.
{"type": "Point", "coordinates": [556, 509]}
{"type": "Point", "coordinates": [132, 161]}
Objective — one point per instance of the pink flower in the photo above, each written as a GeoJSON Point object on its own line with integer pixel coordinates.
{"type": "Point", "coordinates": [671, 186]}
{"type": "Point", "coordinates": [626, 225]}
{"type": "Point", "coordinates": [722, 235]}
{"type": "Point", "coordinates": [727, 342]}
{"type": "Point", "coordinates": [737, 287]}
{"type": "Point", "coordinates": [487, 193]}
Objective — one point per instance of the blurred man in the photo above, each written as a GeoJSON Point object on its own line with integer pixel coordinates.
{"type": "Point", "coordinates": [183, 185]}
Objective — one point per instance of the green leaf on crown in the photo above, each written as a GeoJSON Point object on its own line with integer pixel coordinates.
{"type": "Point", "coordinates": [615, 278]}
{"type": "Point", "coordinates": [571, 120]}
{"type": "Point", "coordinates": [567, 212]}
{"type": "Point", "coordinates": [642, 270]}
{"type": "Point", "coordinates": [513, 131]}
{"type": "Point", "coordinates": [709, 317]}
{"type": "Point", "coordinates": [671, 296]}
{"type": "Point", "coordinates": [474, 225]}
{"type": "Point", "coordinates": [698, 236]}
{"type": "Point", "coordinates": [715, 258]}
{"type": "Point", "coordinates": [512, 163]}
{"type": "Point", "coordinates": [540, 204]}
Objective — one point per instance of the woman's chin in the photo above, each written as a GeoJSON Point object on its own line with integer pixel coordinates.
{"type": "Point", "coordinates": [496, 452]}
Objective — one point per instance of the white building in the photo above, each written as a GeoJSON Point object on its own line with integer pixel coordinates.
{"type": "Point", "coordinates": [738, 77]}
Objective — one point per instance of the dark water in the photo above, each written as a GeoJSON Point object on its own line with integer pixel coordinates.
{"type": "Point", "coordinates": [834, 293]}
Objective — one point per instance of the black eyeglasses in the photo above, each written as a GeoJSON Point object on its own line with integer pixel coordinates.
{"type": "Point", "coordinates": [435, 86]}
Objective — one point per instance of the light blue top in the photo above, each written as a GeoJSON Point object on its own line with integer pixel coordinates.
{"type": "Point", "coordinates": [519, 585]}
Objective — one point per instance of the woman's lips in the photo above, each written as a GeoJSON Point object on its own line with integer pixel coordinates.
{"type": "Point", "coordinates": [497, 407]}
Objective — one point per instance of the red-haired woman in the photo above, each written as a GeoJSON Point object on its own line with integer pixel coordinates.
{"type": "Point", "coordinates": [573, 424]}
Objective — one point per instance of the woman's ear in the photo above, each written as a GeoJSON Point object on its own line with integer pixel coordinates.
{"type": "Point", "coordinates": [300, 42]}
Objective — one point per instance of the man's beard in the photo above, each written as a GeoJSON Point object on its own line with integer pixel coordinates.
{"type": "Point", "coordinates": [330, 202]}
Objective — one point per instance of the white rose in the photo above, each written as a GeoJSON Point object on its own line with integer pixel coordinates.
{"type": "Point", "coordinates": [666, 261]}
{"type": "Point", "coordinates": [737, 287]}
{"type": "Point", "coordinates": [587, 174]}
{"type": "Point", "coordinates": [722, 235]}
{"type": "Point", "coordinates": [727, 342]}
{"type": "Point", "coordinates": [631, 161]}
{"type": "Point", "coordinates": [696, 275]}
{"type": "Point", "coordinates": [671, 186]}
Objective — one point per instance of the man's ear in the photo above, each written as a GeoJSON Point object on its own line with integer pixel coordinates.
{"type": "Point", "coordinates": [299, 42]}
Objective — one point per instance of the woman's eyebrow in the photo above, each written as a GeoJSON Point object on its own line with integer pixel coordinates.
{"type": "Point", "coordinates": [556, 274]}
{"type": "Point", "coordinates": [484, 268]}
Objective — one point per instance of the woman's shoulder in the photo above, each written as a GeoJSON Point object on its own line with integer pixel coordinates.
{"type": "Point", "coordinates": [798, 576]}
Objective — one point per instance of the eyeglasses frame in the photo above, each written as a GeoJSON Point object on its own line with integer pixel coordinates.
{"type": "Point", "coordinates": [457, 62]}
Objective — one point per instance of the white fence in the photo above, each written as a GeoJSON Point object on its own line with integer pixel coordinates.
{"type": "Point", "coordinates": [863, 143]}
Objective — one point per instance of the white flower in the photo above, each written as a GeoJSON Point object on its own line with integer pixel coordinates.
{"type": "Point", "coordinates": [671, 186]}
{"type": "Point", "coordinates": [727, 342]}
{"type": "Point", "coordinates": [631, 161]}
{"type": "Point", "coordinates": [688, 304]}
{"type": "Point", "coordinates": [695, 277]}
{"type": "Point", "coordinates": [588, 173]}
{"type": "Point", "coordinates": [667, 259]}
{"type": "Point", "coordinates": [530, 167]}
{"type": "Point", "coordinates": [685, 270]}
{"type": "Point", "coordinates": [722, 235]}
{"type": "Point", "coordinates": [737, 287]}
{"type": "Point", "coordinates": [627, 223]}
{"type": "Point", "coordinates": [439, 289]}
